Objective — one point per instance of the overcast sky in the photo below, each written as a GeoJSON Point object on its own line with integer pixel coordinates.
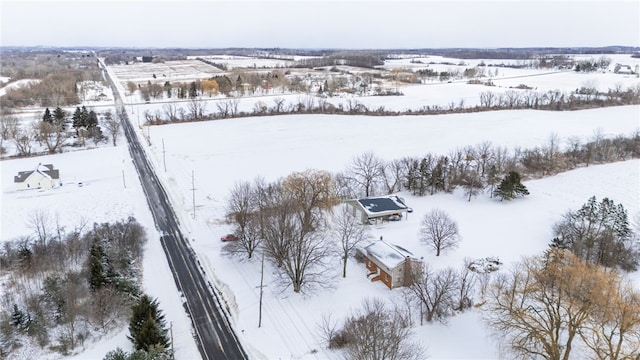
{"type": "Point", "coordinates": [320, 24]}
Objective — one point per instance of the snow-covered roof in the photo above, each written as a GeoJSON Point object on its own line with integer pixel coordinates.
{"type": "Point", "coordinates": [45, 170]}
{"type": "Point", "coordinates": [381, 204]}
{"type": "Point", "coordinates": [388, 255]}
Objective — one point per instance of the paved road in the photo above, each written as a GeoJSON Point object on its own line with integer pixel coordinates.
{"type": "Point", "coordinates": [214, 335]}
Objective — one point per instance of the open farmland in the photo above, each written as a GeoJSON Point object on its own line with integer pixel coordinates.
{"type": "Point", "coordinates": [175, 70]}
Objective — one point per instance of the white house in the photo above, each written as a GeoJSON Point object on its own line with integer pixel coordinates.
{"type": "Point", "coordinates": [379, 208]}
{"type": "Point", "coordinates": [43, 177]}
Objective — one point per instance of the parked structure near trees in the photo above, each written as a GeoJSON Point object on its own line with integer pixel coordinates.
{"type": "Point", "coordinates": [374, 209]}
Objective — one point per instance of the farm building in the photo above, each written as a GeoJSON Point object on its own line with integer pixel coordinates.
{"type": "Point", "coordinates": [381, 208]}
{"type": "Point", "coordinates": [43, 177]}
{"type": "Point", "coordinates": [391, 264]}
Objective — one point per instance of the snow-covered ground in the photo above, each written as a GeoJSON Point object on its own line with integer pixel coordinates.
{"type": "Point", "coordinates": [222, 152]}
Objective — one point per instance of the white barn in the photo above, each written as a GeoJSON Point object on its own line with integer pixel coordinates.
{"type": "Point", "coordinates": [43, 177]}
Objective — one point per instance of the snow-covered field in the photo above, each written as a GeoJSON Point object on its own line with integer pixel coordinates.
{"type": "Point", "coordinates": [222, 152]}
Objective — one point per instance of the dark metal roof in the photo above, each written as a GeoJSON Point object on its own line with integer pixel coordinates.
{"type": "Point", "coordinates": [50, 171]}
{"type": "Point", "coordinates": [380, 204]}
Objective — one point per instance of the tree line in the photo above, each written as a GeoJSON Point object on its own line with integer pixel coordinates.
{"type": "Point", "coordinates": [585, 97]}
{"type": "Point", "coordinates": [69, 285]}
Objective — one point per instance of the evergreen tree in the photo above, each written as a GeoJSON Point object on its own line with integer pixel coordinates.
{"type": "Point", "coordinates": [97, 277]}
{"type": "Point", "coordinates": [599, 232]}
{"type": "Point", "coordinates": [47, 116]}
{"type": "Point", "coordinates": [147, 326]}
{"type": "Point", "coordinates": [91, 120]}
{"type": "Point", "coordinates": [511, 187]}
{"type": "Point", "coordinates": [78, 120]}
{"type": "Point", "coordinates": [59, 116]}
{"type": "Point", "coordinates": [19, 319]}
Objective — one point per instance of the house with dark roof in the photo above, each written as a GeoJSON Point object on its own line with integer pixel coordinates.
{"type": "Point", "coordinates": [380, 208]}
{"type": "Point", "coordinates": [42, 177]}
{"type": "Point", "coordinates": [391, 264]}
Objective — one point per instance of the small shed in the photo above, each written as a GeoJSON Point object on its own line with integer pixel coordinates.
{"type": "Point", "coordinates": [393, 265]}
{"type": "Point", "coordinates": [43, 177]}
{"type": "Point", "coordinates": [380, 208]}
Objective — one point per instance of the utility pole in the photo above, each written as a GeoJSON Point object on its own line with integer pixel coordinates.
{"type": "Point", "coordinates": [193, 189]}
{"type": "Point", "coordinates": [172, 350]}
{"type": "Point", "coordinates": [261, 286]}
{"type": "Point", "coordinates": [164, 159]}
{"type": "Point", "coordinates": [123, 181]}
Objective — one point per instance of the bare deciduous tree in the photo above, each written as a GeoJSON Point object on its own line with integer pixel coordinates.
{"type": "Point", "coordinates": [365, 170]}
{"type": "Point", "coordinates": [439, 231]}
{"type": "Point", "coordinates": [113, 125]}
{"type": "Point", "coordinates": [170, 111]}
{"type": "Point", "coordinates": [278, 105]}
{"type": "Point", "coordinates": [436, 292]}
{"type": "Point", "coordinates": [196, 107]}
{"type": "Point", "coordinates": [544, 304]}
{"type": "Point", "coordinates": [40, 222]}
{"type": "Point", "coordinates": [23, 139]}
{"type": "Point", "coordinates": [243, 211]}
{"type": "Point", "coordinates": [351, 233]}
{"type": "Point", "coordinates": [392, 173]}
{"type": "Point", "coordinates": [51, 134]}
{"type": "Point", "coordinates": [379, 333]}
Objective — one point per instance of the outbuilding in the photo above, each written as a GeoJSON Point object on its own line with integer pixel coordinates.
{"type": "Point", "coordinates": [380, 208]}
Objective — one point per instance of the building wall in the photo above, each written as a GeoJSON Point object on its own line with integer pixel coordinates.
{"type": "Point", "coordinates": [37, 181]}
{"type": "Point", "coordinates": [382, 275]}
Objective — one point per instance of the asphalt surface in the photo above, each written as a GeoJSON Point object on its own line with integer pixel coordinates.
{"type": "Point", "coordinates": [211, 327]}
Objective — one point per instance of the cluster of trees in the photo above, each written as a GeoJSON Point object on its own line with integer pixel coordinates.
{"type": "Point", "coordinates": [75, 283]}
{"type": "Point", "coordinates": [365, 59]}
{"type": "Point", "coordinates": [599, 233]}
{"type": "Point", "coordinates": [483, 166]}
{"type": "Point", "coordinates": [287, 220]}
{"type": "Point", "coordinates": [85, 123]}
{"type": "Point", "coordinates": [558, 306]}
{"type": "Point", "coordinates": [573, 298]}
{"type": "Point", "coordinates": [51, 132]}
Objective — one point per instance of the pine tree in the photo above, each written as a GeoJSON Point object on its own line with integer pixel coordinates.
{"type": "Point", "coordinates": [97, 277]}
{"type": "Point", "coordinates": [147, 326]}
{"type": "Point", "coordinates": [91, 120]}
{"type": "Point", "coordinates": [77, 118]}
{"type": "Point", "coordinates": [47, 116]}
{"type": "Point", "coordinates": [18, 317]}
{"type": "Point", "coordinates": [511, 187]}
{"type": "Point", "coordinates": [59, 116]}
